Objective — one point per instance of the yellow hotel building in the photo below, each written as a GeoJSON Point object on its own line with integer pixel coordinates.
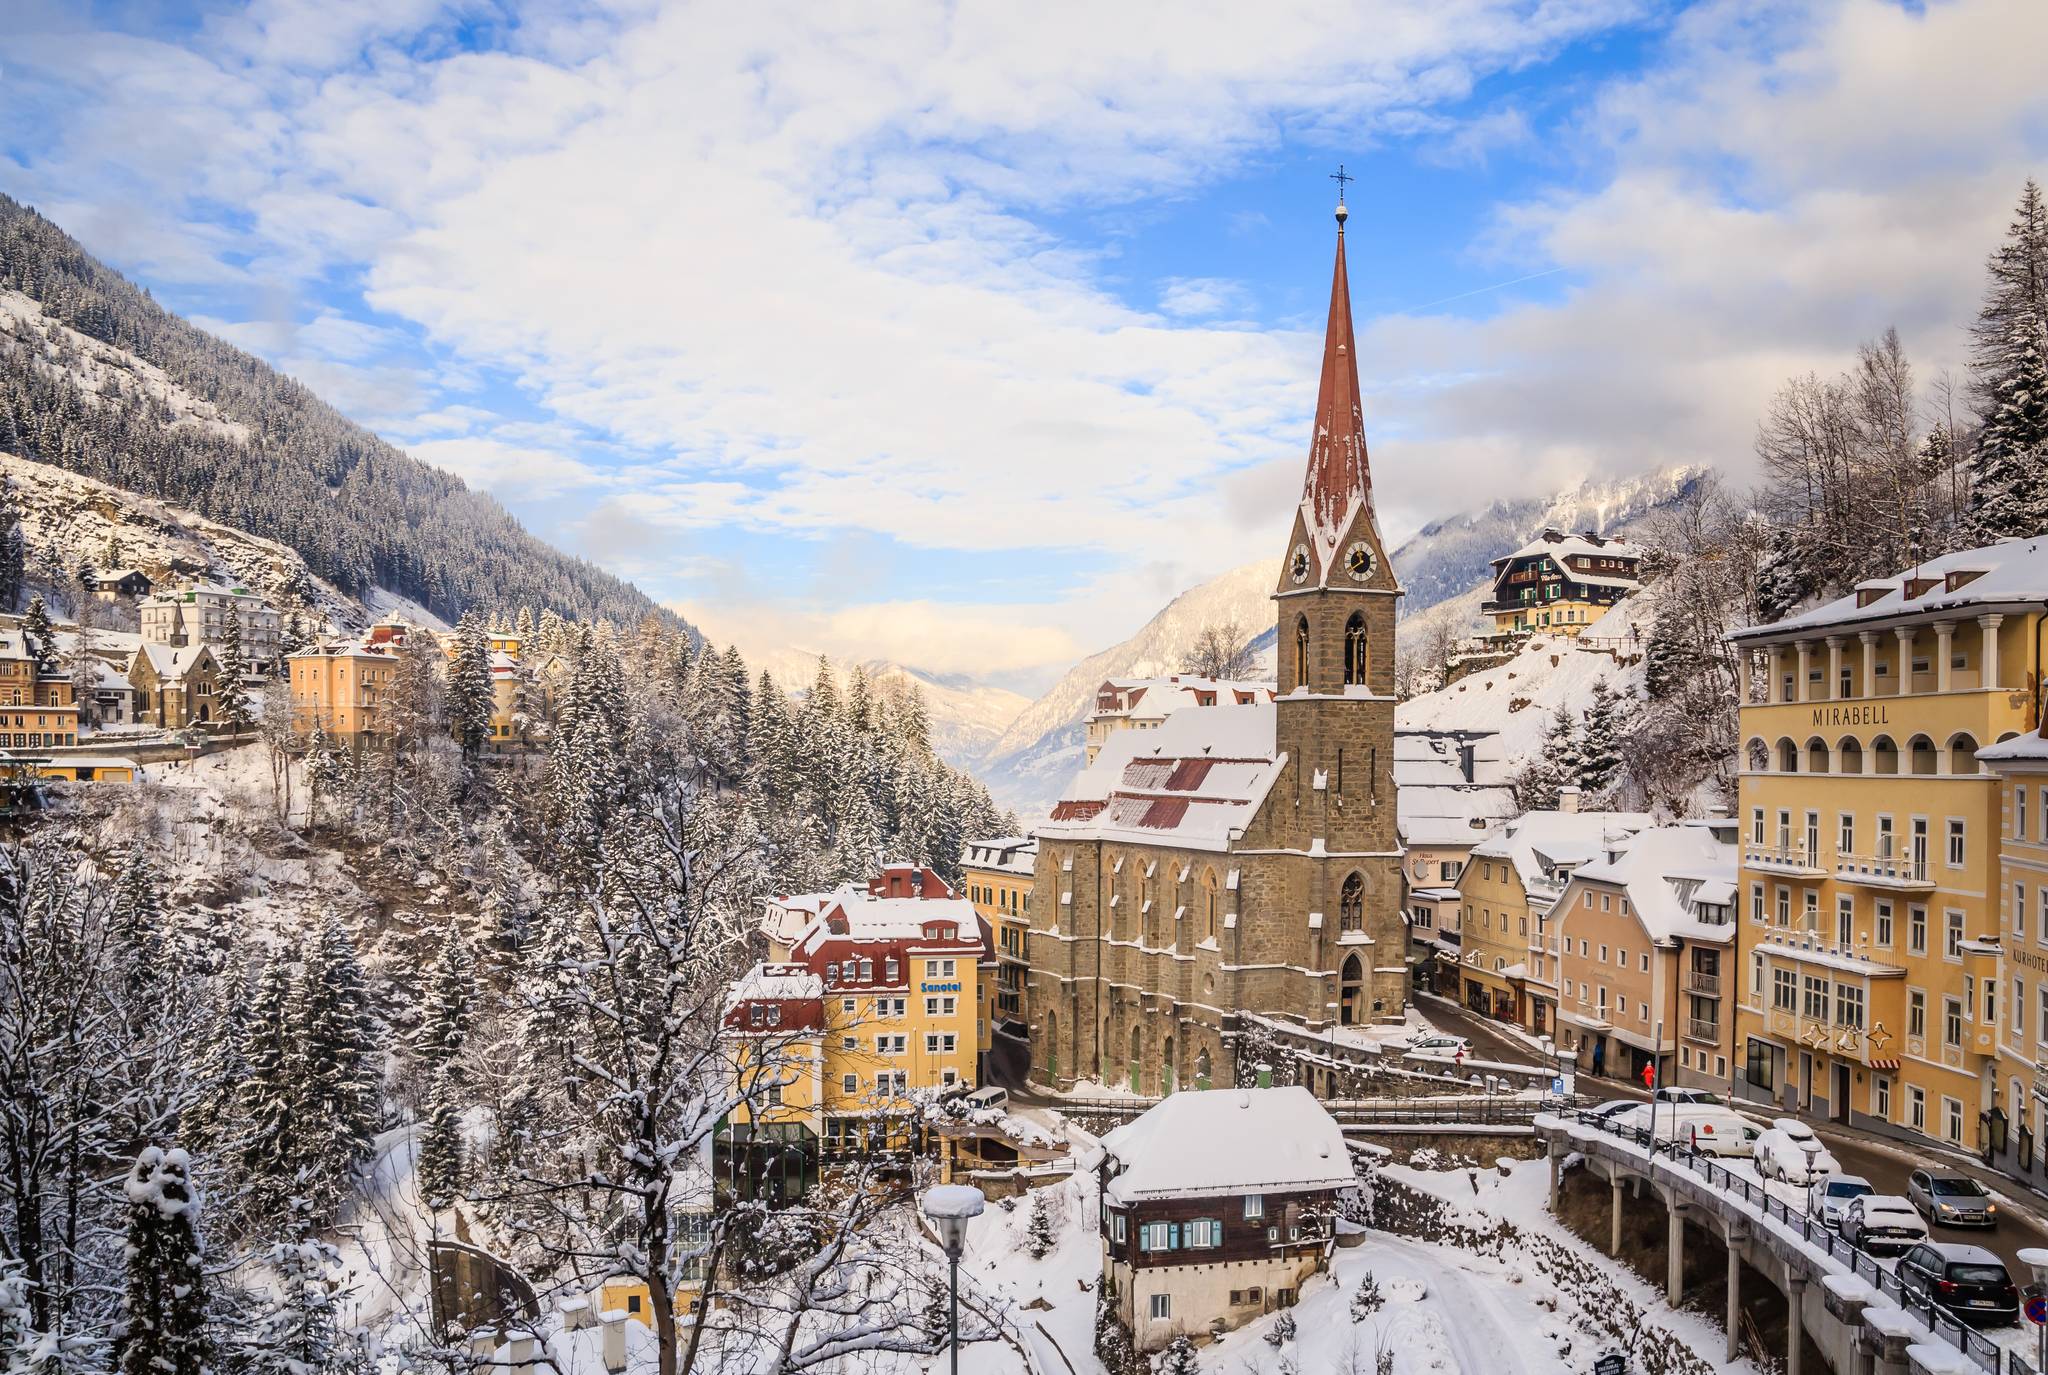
{"type": "Point", "coordinates": [1869, 946]}
{"type": "Point", "coordinates": [998, 875]}
{"type": "Point", "coordinates": [2019, 1121]}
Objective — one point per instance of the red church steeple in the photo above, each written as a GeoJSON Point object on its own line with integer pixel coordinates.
{"type": "Point", "coordinates": [1338, 473]}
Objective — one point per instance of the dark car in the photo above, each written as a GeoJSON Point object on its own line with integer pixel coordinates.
{"type": "Point", "coordinates": [1968, 1281]}
{"type": "Point", "coordinates": [1951, 1200]}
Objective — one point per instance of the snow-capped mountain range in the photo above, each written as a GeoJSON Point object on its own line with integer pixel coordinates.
{"type": "Point", "coordinates": [1445, 562]}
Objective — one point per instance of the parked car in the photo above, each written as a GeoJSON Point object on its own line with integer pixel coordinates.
{"type": "Point", "coordinates": [1440, 1047]}
{"type": "Point", "coordinates": [1951, 1200]}
{"type": "Point", "coordinates": [1709, 1130]}
{"type": "Point", "coordinates": [1790, 1151]}
{"type": "Point", "coordinates": [1674, 1094]}
{"type": "Point", "coordinates": [1882, 1224]}
{"type": "Point", "coordinates": [1968, 1281]}
{"type": "Point", "coordinates": [1829, 1198]}
{"type": "Point", "coordinates": [990, 1097]}
{"type": "Point", "coordinates": [1610, 1110]}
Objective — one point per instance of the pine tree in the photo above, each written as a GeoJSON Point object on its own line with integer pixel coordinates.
{"type": "Point", "coordinates": [13, 550]}
{"type": "Point", "coordinates": [2009, 342]}
{"type": "Point", "coordinates": [135, 923]}
{"type": "Point", "coordinates": [163, 1312]}
{"type": "Point", "coordinates": [441, 1164]}
{"type": "Point", "coordinates": [1367, 1299]}
{"type": "Point", "coordinates": [337, 1065]}
{"type": "Point", "coordinates": [1039, 1236]}
{"type": "Point", "coordinates": [237, 712]}
{"type": "Point", "coordinates": [471, 701]}
{"type": "Point", "coordinates": [267, 1096]}
{"type": "Point", "coordinates": [450, 1004]}
{"type": "Point", "coordinates": [1179, 1358]}
{"type": "Point", "coordinates": [1599, 742]}
{"type": "Point", "coordinates": [39, 635]}
{"type": "Point", "coordinates": [299, 1333]}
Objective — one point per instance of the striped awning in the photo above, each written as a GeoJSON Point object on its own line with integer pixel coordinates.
{"type": "Point", "coordinates": [1879, 1063]}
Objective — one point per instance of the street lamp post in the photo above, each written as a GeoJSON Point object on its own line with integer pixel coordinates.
{"type": "Point", "coordinates": [951, 1207]}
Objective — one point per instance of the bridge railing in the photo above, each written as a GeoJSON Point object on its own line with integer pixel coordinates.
{"type": "Point", "coordinates": [1986, 1353]}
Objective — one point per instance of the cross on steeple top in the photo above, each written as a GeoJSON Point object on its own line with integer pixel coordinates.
{"type": "Point", "coordinates": [1340, 176]}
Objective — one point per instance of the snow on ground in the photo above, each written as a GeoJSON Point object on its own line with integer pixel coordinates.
{"type": "Point", "coordinates": [383, 604]}
{"type": "Point", "coordinates": [1519, 697]}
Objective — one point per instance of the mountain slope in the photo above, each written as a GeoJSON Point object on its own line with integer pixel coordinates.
{"type": "Point", "coordinates": [1042, 747]}
{"type": "Point", "coordinates": [1453, 555]}
{"type": "Point", "coordinates": [95, 377]}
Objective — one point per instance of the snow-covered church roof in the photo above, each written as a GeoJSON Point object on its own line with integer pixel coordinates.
{"type": "Point", "coordinates": [1192, 782]}
{"type": "Point", "coordinates": [1218, 1142]}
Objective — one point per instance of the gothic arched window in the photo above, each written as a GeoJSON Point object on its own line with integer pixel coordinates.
{"type": "Point", "coordinates": [1301, 651]}
{"type": "Point", "coordinates": [1354, 649]}
{"type": "Point", "coordinates": [1351, 905]}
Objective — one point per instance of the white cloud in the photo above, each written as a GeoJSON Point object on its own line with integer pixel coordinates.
{"type": "Point", "coordinates": [998, 642]}
{"type": "Point", "coordinates": [786, 256]}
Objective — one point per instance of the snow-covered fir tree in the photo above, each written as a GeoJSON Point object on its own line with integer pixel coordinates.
{"type": "Point", "coordinates": [336, 1063]}
{"type": "Point", "coordinates": [231, 700]}
{"type": "Point", "coordinates": [163, 1308]}
{"type": "Point", "coordinates": [471, 700]}
{"type": "Point", "coordinates": [450, 1004]}
{"type": "Point", "coordinates": [38, 634]}
{"type": "Point", "coordinates": [2009, 374]}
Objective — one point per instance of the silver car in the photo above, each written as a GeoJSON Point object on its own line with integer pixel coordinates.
{"type": "Point", "coordinates": [1828, 1199]}
{"type": "Point", "coordinates": [1951, 1200]}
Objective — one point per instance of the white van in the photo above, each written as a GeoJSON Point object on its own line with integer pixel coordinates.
{"type": "Point", "coordinates": [1709, 1130]}
{"type": "Point", "coordinates": [988, 1098]}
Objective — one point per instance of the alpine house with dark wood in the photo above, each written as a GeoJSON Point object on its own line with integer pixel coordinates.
{"type": "Point", "coordinates": [1216, 1206]}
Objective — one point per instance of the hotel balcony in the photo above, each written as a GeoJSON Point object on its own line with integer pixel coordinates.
{"type": "Point", "coordinates": [1900, 873]}
{"type": "Point", "coordinates": [1703, 1029]}
{"type": "Point", "coordinates": [1790, 861]}
{"type": "Point", "coordinates": [1706, 985]}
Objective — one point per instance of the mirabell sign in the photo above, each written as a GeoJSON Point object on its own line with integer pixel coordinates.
{"type": "Point", "coordinates": [1851, 716]}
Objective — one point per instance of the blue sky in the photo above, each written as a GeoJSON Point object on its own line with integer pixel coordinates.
{"type": "Point", "coordinates": [966, 336]}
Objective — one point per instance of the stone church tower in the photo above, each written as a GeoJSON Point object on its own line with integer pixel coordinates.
{"type": "Point", "coordinates": [1241, 861]}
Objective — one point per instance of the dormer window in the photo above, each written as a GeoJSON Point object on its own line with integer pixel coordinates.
{"type": "Point", "coordinates": [1962, 577]}
{"type": "Point", "coordinates": [889, 969]}
{"type": "Point", "coordinates": [1872, 592]}
{"type": "Point", "coordinates": [1920, 587]}
{"type": "Point", "coordinates": [867, 971]}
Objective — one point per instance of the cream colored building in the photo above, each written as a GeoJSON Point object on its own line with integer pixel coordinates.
{"type": "Point", "coordinates": [198, 614]}
{"type": "Point", "coordinates": [1142, 703]}
{"type": "Point", "coordinates": [2020, 1121]}
{"type": "Point", "coordinates": [1645, 938]}
{"type": "Point", "coordinates": [1507, 961]}
{"type": "Point", "coordinates": [998, 877]}
{"type": "Point", "coordinates": [1452, 787]}
{"type": "Point", "coordinates": [1872, 978]}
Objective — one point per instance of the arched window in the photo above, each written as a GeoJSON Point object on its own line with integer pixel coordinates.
{"type": "Point", "coordinates": [1137, 1053]}
{"type": "Point", "coordinates": [1351, 905]}
{"type": "Point", "coordinates": [1052, 1046]}
{"type": "Point", "coordinates": [1788, 757]}
{"type": "Point", "coordinates": [1202, 1068]}
{"type": "Point", "coordinates": [1354, 650]}
{"type": "Point", "coordinates": [1166, 1069]}
{"type": "Point", "coordinates": [1816, 755]}
{"type": "Point", "coordinates": [1921, 751]}
{"type": "Point", "coordinates": [1209, 905]}
{"type": "Point", "coordinates": [1849, 755]}
{"type": "Point", "coordinates": [1301, 651]}
{"type": "Point", "coordinates": [1884, 755]}
{"type": "Point", "coordinates": [1759, 756]}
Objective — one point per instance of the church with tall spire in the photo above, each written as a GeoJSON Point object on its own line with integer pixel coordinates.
{"type": "Point", "coordinates": [1240, 862]}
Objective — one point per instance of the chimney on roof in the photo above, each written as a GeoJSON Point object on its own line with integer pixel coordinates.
{"type": "Point", "coordinates": [1568, 798]}
{"type": "Point", "coordinates": [1592, 537]}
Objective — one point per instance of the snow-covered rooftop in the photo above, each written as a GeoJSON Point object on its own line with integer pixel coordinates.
{"type": "Point", "coordinates": [1668, 873]}
{"type": "Point", "coordinates": [1537, 843]}
{"type": "Point", "coordinates": [2021, 749]}
{"type": "Point", "coordinates": [2010, 573]}
{"type": "Point", "coordinates": [1562, 546]}
{"type": "Point", "coordinates": [1204, 1143]}
{"type": "Point", "coordinates": [871, 918]}
{"type": "Point", "coordinates": [777, 982]}
{"type": "Point", "coordinates": [1191, 782]}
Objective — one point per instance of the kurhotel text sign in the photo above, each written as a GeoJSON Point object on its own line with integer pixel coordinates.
{"type": "Point", "coordinates": [1851, 716]}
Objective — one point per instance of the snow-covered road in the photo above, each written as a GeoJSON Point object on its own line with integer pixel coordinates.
{"type": "Point", "coordinates": [1476, 1324]}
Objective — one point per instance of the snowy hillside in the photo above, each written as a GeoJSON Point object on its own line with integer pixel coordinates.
{"type": "Point", "coordinates": [81, 518]}
{"type": "Point", "coordinates": [1518, 697]}
{"type": "Point", "coordinates": [1042, 748]}
{"type": "Point", "coordinates": [1453, 555]}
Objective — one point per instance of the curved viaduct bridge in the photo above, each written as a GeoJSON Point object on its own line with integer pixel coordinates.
{"type": "Point", "coordinates": [1850, 1306]}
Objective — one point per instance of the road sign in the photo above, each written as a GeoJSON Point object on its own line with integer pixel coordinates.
{"type": "Point", "coordinates": [1611, 1364]}
{"type": "Point", "coordinates": [2037, 1308]}
{"type": "Point", "coordinates": [1557, 1086]}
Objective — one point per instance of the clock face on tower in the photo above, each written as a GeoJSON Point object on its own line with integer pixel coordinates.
{"type": "Point", "coordinates": [1358, 560]}
{"type": "Point", "coordinates": [1297, 565]}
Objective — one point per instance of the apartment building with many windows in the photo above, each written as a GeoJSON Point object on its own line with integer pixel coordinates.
{"type": "Point", "coordinates": [2018, 1118]}
{"type": "Point", "coordinates": [998, 876]}
{"type": "Point", "coordinates": [1869, 946]}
